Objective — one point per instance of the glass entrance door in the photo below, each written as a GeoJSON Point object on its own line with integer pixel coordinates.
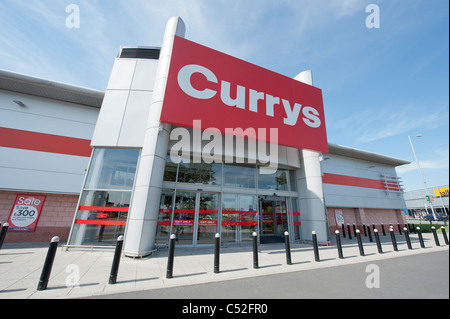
{"type": "Point", "coordinates": [273, 214]}
{"type": "Point", "coordinates": [208, 215]}
{"type": "Point", "coordinates": [195, 217]}
{"type": "Point", "coordinates": [267, 217]}
{"type": "Point", "coordinates": [184, 217]}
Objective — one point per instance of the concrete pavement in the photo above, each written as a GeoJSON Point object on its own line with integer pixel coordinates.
{"type": "Point", "coordinates": [81, 273]}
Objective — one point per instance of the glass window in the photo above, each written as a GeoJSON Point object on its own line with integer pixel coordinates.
{"type": "Point", "coordinates": [248, 217]}
{"type": "Point", "coordinates": [293, 180]}
{"type": "Point", "coordinates": [104, 202]}
{"type": "Point", "coordinates": [195, 173]}
{"type": "Point", "coordinates": [229, 223]}
{"type": "Point", "coordinates": [275, 181]}
{"type": "Point", "coordinates": [239, 176]}
{"type": "Point", "coordinates": [112, 169]}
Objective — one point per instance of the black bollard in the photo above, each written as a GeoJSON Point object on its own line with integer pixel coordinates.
{"type": "Point", "coordinates": [339, 245]}
{"type": "Point", "coordinates": [116, 261]}
{"type": "Point", "coordinates": [399, 229]}
{"type": "Point", "coordinates": [3, 233]}
{"type": "Point", "coordinates": [354, 230]}
{"type": "Point", "coordinates": [370, 234]}
{"type": "Point", "coordinates": [169, 273]}
{"type": "Point", "coordinates": [365, 231]}
{"type": "Point", "coordinates": [217, 253]}
{"type": "Point", "coordinates": [360, 244]}
{"type": "Point", "coordinates": [414, 228]}
{"type": "Point", "coordinates": [48, 264]}
{"type": "Point", "coordinates": [408, 240]}
{"type": "Point", "coordinates": [394, 240]}
{"type": "Point", "coordinates": [377, 239]}
{"type": "Point", "coordinates": [444, 233]}
{"type": "Point", "coordinates": [288, 248]}
{"type": "Point", "coordinates": [315, 246]}
{"type": "Point", "coordinates": [349, 232]}
{"type": "Point", "coordinates": [343, 230]}
{"type": "Point", "coordinates": [382, 228]}
{"type": "Point", "coordinates": [436, 239]}
{"type": "Point", "coordinates": [255, 250]}
{"type": "Point", "coordinates": [419, 232]}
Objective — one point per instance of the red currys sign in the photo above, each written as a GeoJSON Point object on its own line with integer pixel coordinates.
{"type": "Point", "coordinates": [226, 92]}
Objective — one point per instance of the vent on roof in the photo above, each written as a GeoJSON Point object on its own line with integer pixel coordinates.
{"type": "Point", "coordinates": [140, 53]}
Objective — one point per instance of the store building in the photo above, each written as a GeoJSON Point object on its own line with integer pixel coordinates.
{"type": "Point", "coordinates": [45, 133]}
{"type": "Point", "coordinates": [148, 179]}
{"type": "Point", "coordinates": [420, 203]}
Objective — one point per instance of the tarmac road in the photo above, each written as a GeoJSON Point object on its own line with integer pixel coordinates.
{"type": "Point", "coordinates": [409, 277]}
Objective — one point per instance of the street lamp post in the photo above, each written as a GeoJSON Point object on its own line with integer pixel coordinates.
{"type": "Point", "coordinates": [421, 174]}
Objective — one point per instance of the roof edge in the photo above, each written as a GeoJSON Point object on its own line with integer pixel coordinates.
{"type": "Point", "coordinates": [365, 155]}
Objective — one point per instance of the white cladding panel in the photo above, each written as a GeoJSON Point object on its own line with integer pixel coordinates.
{"type": "Point", "coordinates": [352, 196]}
{"type": "Point", "coordinates": [124, 112]}
{"type": "Point", "coordinates": [42, 171]}
{"type": "Point", "coordinates": [46, 115]}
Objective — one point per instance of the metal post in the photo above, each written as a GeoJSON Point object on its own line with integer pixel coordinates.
{"type": "Point", "coordinates": [48, 264]}
{"type": "Point", "coordinates": [255, 250]}
{"type": "Point", "coordinates": [116, 261]}
{"type": "Point", "coordinates": [349, 232]}
{"type": "Point", "coordinates": [354, 230]}
{"type": "Point", "coordinates": [288, 248]}
{"type": "Point", "coordinates": [216, 253]}
{"type": "Point", "coordinates": [339, 245]}
{"type": "Point", "coordinates": [444, 233]}
{"type": "Point", "coordinates": [422, 244]}
{"type": "Point", "coordinates": [365, 231]}
{"type": "Point", "coordinates": [394, 240]}
{"type": "Point", "coordinates": [360, 244]}
{"type": "Point", "coordinates": [408, 241]}
{"type": "Point", "coordinates": [436, 239]}
{"type": "Point", "coordinates": [343, 230]}
{"type": "Point", "coordinates": [3, 233]}
{"type": "Point", "coordinates": [370, 234]}
{"type": "Point", "coordinates": [414, 228]}
{"type": "Point", "coordinates": [382, 228]}
{"type": "Point", "coordinates": [377, 239]}
{"type": "Point", "coordinates": [399, 228]}
{"type": "Point", "coordinates": [169, 273]}
{"type": "Point", "coordinates": [315, 246]}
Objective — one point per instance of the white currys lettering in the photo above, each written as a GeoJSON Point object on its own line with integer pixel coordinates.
{"type": "Point", "coordinates": [310, 115]}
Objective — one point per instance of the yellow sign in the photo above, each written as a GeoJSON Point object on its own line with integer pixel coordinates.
{"type": "Point", "coordinates": [443, 191]}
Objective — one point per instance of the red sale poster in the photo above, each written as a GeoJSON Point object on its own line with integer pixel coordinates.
{"type": "Point", "coordinates": [25, 213]}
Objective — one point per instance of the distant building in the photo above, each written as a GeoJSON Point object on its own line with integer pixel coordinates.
{"type": "Point", "coordinates": [418, 205]}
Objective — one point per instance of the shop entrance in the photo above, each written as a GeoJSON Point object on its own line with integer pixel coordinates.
{"type": "Point", "coordinates": [195, 217]}
{"type": "Point", "coordinates": [273, 218]}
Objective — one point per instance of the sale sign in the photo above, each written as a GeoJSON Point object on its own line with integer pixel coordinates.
{"type": "Point", "coordinates": [339, 216]}
{"type": "Point", "coordinates": [25, 213]}
{"type": "Point", "coordinates": [227, 93]}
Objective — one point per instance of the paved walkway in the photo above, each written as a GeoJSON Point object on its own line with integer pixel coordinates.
{"type": "Point", "coordinates": [78, 273]}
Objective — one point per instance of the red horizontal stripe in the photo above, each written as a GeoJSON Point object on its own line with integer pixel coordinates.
{"type": "Point", "coordinates": [104, 209]}
{"type": "Point", "coordinates": [42, 142]}
{"type": "Point", "coordinates": [245, 223]}
{"type": "Point", "coordinates": [101, 222]}
{"type": "Point", "coordinates": [352, 181]}
{"type": "Point", "coordinates": [238, 212]}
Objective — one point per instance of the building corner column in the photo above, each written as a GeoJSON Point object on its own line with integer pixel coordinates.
{"type": "Point", "coordinates": [313, 213]}
{"type": "Point", "coordinates": [140, 233]}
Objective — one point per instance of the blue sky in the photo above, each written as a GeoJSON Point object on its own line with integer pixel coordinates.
{"type": "Point", "coordinates": [379, 85]}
